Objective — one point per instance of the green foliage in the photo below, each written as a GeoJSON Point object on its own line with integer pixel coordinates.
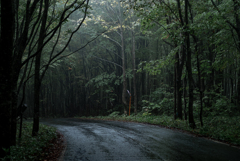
{"type": "Point", "coordinates": [104, 83]}
{"type": "Point", "coordinates": [146, 114]}
{"type": "Point", "coordinates": [161, 102]}
{"type": "Point", "coordinates": [223, 128]}
{"type": "Point", "coordinates": [114, 114]}
{"type": "Point", "coordinates": [163, 107]}
{"type": "Point", "coordinates": [154, 67]}
{"type": "Point", "coordinates": [161, 92]}
{"type": "Point", "coordinates": [216, 104]}
{"type": "Point", "coordinates": [104, 79]}
{"type": "Point", "coordinates": [28, 147]}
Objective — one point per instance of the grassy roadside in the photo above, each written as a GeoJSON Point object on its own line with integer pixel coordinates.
{"type": "Point", "coordinates": [222, 128]}
{"type": "Point", "coordinates": [30, 148]}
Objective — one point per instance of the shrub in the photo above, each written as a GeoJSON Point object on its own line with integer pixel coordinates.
{"type": "Point", "coordinates": [28, 147]}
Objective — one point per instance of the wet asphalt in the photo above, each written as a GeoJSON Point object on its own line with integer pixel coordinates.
{"type": "Point", "coordinates": [97, 140]}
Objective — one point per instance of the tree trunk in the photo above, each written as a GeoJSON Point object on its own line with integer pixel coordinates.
{"type": "Point", "coordinates": [184, 97]}
{"type": "Point", "coordinates": [134, 72]}
{"type": "Point", "coordinates": [175, 91]}
{"type": "Point", "coordinates": [200, 82]}
{"type": "Point", "coordinates": [37, 80]}
{"type": "Point", "coordinates": [179, 68]}
{"type": "Point", "coordinates": [178, 71]}
{"type": "Point", "coordinates": [6, 82]}
{"type": "Point", "coordinates": [189, 69]}
{"type": "Point", "coordinates": [124, 91]}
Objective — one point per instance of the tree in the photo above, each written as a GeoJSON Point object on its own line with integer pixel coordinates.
{"type": "Point", "coordinates": [6, 70]}
{"type": "Point", "coordinates": [37, 81]}
{"type": "Point", "coordinates": [189, 68]}
{"type": "Point", "coordinates": [43, 35]}
{"type": "Point", "coordinates": [23, 37]}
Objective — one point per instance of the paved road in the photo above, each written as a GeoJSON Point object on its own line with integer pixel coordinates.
{"type": "Point", "coordinates": [94, 140]}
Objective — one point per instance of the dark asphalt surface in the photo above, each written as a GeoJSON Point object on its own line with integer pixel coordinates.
{"type": "Point", "coordinates": [96, 140]}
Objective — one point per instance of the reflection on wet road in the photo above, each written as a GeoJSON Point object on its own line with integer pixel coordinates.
{"type": "Point", "coordinates": [95, 140]}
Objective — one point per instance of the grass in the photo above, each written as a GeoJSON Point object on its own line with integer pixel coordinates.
{"type": "Point", "coordinates": [222, 128]}
{"type": "Point", "coordinates": [30, 148]}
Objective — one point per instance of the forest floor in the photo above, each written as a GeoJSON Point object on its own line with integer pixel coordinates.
{"type": "Point", "coordinates": [54, 150]}
{"type": "Point", "coordinates": [223, 129]}
{"type": "Point", "coordinates": [47, 146]}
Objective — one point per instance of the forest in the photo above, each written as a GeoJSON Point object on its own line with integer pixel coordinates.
{"type": "Point", "coordinates": [81, 58]}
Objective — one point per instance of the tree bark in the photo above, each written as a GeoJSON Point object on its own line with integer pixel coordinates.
{"type": "Point", "coordinates": [175, 91]}
{"type": "Point", "coordinates": [179, 67]}
{"type": "Point", "coordinates": [37, 81]}
{"type": "Point", "coordinates": [184, 97]}
{"type": "Point", "coordinates": [200, 82]}
{"type": "Point", "coordinates": [6, 82]}
{"type": "Point", "coordinates": [134, 71]}
{"type": "Point", "coordinates": [124, 91]}
{"type": "Point", "coordinates": [189, 69]}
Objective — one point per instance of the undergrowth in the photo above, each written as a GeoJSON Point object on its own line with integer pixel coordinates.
{"type": "Point", "coordinates": [223, 128]}
{"type": "Point", "coordinates": [29, 148]}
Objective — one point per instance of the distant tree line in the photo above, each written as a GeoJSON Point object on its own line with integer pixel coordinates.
{"type": "Point", "coordinates": [177, 58]}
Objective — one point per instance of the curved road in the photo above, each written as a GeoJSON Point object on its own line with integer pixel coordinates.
{"type": "Point", "coordinates": [96, 140]}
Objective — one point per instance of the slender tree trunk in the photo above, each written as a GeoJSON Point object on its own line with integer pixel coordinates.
{"type": "Point", "coordinates": [175, 90]}
{"type": "Point", "coordinates": [143, 80]}
{"type": "Point", "coordinates": [189, 69]}
{"type": "Point", "coordinates": [200, 83]}
{"type": "Point", "coordinates": [14, 109]}
{"type": "Point", "coordinates": [124, 91]}
{"type": "Point", "coordinates": [179, 69]}
{"type": "Point", "coordinates": [237, 29]}
{"type": "Point", "coordinates": [134, 72]}
{"type": "Point", "coordinates": [37, 80]}
{"type": "Point", "coordinates": [184, 97]}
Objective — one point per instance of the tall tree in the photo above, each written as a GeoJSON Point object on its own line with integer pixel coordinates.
{"type": "Point", "coordinates": [16, 36]}
{"type": "Point", "coordinates": [43, 34]}
{"type": "Point", "coordinates": [189, 68]}
{"type": "Point", "coordinates": [6, 70]}
{"type": "Point", "coordinates": [133, 59]}
{"type": "Point", "coordinates": [134, 71]}
{"type": "Point", "coordinates": [37, 83]}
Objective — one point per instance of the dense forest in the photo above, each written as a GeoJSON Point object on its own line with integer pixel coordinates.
{"type": "Point", "coordinates": [67, 58]}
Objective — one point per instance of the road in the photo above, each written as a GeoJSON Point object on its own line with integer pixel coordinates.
{"type": "Point", "coordinates": [97, 140]}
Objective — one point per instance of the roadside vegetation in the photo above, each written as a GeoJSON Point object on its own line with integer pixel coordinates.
{"type": "Point", "coordinates": [30, 148]}
{"type": "Point", "coordinates": [222, 128]}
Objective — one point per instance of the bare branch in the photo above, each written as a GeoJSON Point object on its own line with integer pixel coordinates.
{"type": "Point", "coordinates": [52, 62]}
{"type": "Point", "coordinates": [55, 29]}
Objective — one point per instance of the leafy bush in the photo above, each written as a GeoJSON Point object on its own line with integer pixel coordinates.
{"type": "Point", "coordinates": [222, 128]}
{"type": "Point", "coordinates": [28, 147]}
{"type": "Point", "coordinates": [114, 114]}
{"type": "Point", "coordinates": [163, 107]}
{"type": "Point", "coordinates": [217, 104]}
